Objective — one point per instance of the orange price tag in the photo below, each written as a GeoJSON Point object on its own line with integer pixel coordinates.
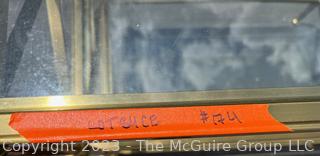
{"type": "Point", "coordinates": [145, 123]}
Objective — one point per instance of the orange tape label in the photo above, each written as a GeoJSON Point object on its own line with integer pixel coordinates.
{"type": "Point", "coordinates": [145, 123]}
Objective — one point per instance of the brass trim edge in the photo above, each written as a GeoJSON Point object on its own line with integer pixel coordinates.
{"type": "Point", "coordinates": [221, 97]}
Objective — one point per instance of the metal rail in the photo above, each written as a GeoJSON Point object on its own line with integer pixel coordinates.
{"type": "Point", "coordinates": [58, 45]}
{"type": "Point", "coordinates": [77, 49]}
{"type": "Point", "coordinates": [246, 96]}
{"type": "Point", "coordinates": [105, 63]}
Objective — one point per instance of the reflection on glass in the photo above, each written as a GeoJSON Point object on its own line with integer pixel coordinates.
{"type": "Point", "coordinates": [159, 47]}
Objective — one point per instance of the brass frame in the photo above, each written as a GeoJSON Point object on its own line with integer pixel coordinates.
{"type": "Point", "coordinates": [218, 97]}
{"type": "Point", "coordinates": [295, 107]}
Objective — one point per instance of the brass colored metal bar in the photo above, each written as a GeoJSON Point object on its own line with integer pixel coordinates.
{"type": "Point", "coordinates": [77, 49]}
{"type": "Point", "coordinates": [12, 139]}
{"type": "Point", "coordinates": [299, 116]}
{"type": "Point", "coordinates": [89, 44]}
{"type": "Point", "coordinates": [247, 96]}
{"type": "Point", "coordinates": [7, 134]}
{"type": "Point", "coordinates": [302, 116]}
{"type": "Point", "coordinates": [105, 65]}
{"type": "Point", "coordinates": [296, 112]}
{"type": "Point", "coordinates": [58, 45]}
{"type": "Point", "coordinates": [305, 127]}
{"type": "Point", "coordinates": [303, 119]}
{"type": "Point", "coordinates": [4, 128]}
